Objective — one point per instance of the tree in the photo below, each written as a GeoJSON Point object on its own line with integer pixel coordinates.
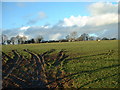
{"type": "Point", "coordinates": [113, 39]}
{"type": "Point", "coordinates": [24, 38]}
{"type": "Point", "coordinates": [8, 41]}
{"type": "Point", "coordinates": [38, 39]}
{"type": "Point", "coordinates": [4, 39]}
{"type": "Point", "coordinates": [83, 37]}
{"type": "Point", "coordinates": [91, 38]}
{"type": "Point", "coordinates": [13, 40]}
{"type": "Point", "coordinates": [67, 37]}
{"type": "Point", "coordinates": [105, 38]}
{"type": "Point", "coordinates": [80, 38]}
{"type": "Point", "coordinates": [32, 40]}
{"type": "Point", "coordinates": [72, 36]}
{"type": "Point", "coordinates": [21, 39]}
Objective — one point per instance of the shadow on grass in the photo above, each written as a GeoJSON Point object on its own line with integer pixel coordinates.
{"type": "Point", "coordinates": [99, 79]}
{"type": "Point", "coordinates": [107, 54]}
{"type": "Point", "coordinates": [37, 72]}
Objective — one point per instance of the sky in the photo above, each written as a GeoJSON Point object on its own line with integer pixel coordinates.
{"type": "Point", "coordinates": [55, 20]}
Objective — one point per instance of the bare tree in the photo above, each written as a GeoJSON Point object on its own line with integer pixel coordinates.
{"type": "Point", "coordinates": [13, 40]}
{"type": "Point", "coordinates": [84, 37]}
{"type": "Point", "coordinates": [21, 39]}
{"type": "Point", "coordinates": [4, 39]}
{"type": "Point", "coordinates": [38, 39]}
{"type": "Point", "coordinates": [80, 38]}
{"type": "Point", "coordinates": [24, 38]}
{"type": "Point", "coordinates": [72, 36]}
{"type": "Point", "coordinates": [67, 37]}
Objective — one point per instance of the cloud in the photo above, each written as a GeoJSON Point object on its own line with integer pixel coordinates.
{"type": "Point", "coordinates": [103, 8]}
{"type": "Point", "coordinates": [11, 32]}
{"type": "Point", "coordinates": [103, 20]}
{"type": "Point", "coordinates": [55, 36]}
{"type": "Point", "coordinates": [101, 14]}
{"type": "Point", "coordinates": [40, 16]}
{"type": "Point", "coordinates": [97, 20]}
{"type": "Point", "coordinates": [49, 33]}
{"type": "Point", "coordinates": [34, 31]}
{"type": "Point", "coordinates": [58, 32]}
{"type": "Point", "coordinates": [24, 28]}
{"type": "Point", "coordinates": [15, 31]}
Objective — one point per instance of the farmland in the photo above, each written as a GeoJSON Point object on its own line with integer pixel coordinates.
{"type": "Point", "coordinates": [83, 64]}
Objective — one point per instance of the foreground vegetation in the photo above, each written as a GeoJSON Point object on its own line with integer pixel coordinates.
{"type": "Point", "coordinates": [85, 64]}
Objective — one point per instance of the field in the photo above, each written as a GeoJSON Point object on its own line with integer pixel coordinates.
{"type": "Point", "coordinates": [83, 64]}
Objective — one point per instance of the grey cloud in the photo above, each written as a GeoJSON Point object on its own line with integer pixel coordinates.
{"type": "Point", "coordinates": [32, 21]}
{"type": "Point", "coordinates": [109, 31]}
{"type": "Point", "coordinates": [101, 31]}
{"type": "Point", "coordinates": [11, 32]}
{"type": "Point", "coordinates": [40, 16]}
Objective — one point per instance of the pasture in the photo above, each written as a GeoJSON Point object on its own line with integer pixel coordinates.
{"type": "Point", "coordinates": [83, 64]}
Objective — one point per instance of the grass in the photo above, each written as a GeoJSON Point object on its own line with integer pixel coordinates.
{"type": "Point", "coordinates": [91, 64]}
{"type": "Point", "coordinates": [74, 49]}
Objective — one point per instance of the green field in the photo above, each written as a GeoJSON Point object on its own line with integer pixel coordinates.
{"type": "Point", "coordinates": [90, 64]}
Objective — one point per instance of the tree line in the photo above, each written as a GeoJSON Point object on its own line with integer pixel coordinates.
{"type": "Point", "coordinates": [85, 37]}
{"type": "Point", "coordinates": [39, 39]}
